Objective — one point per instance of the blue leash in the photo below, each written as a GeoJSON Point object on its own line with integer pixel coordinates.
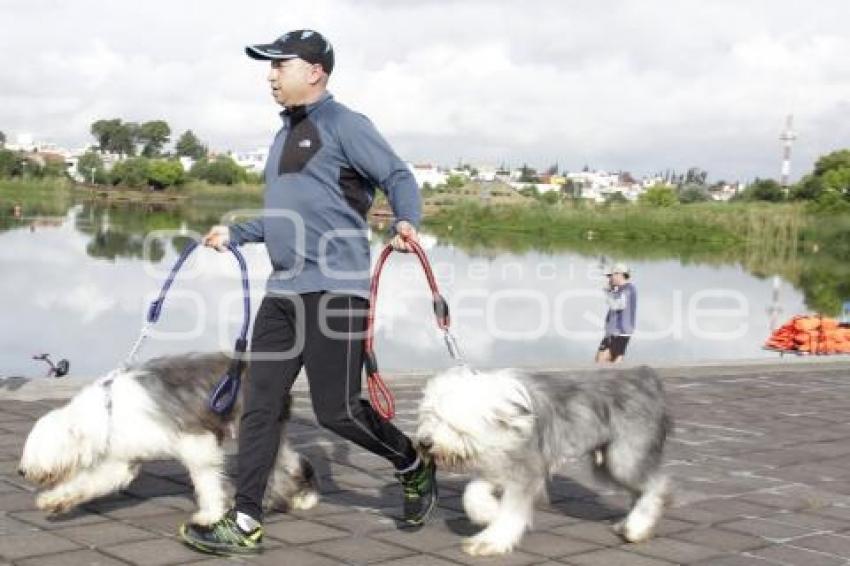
{"type": "Point", "coordinates": [224, 394]}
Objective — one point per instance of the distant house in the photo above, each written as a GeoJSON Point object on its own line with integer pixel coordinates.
{"type": "Point", "coordinates": [542, 188]}
{"type": "Point", "coordinates": [593, 185]}
{"type": "Point", "coordinates": [252, 161]}
{"type": "Point", "coordinates": [725, 191]}
{"type": "Point", "coordinates": [485, 173]}
{"type": "Point", "coordinates": [427, 173]}
{"type": "Point", "coordinates": [502, 174]}
{"type": "Point", "coordinates": [186, 162]}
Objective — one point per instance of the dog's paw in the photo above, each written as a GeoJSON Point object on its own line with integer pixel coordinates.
{"type": "Point", "coordinates": [484, 546]}
{"type": "Point", "coordinates": [304, 500]}
{"type": "Point", "coordinates": [638, 529]}
{"type": "Point", "coordinates": [480, 503]}
{"type": "Point", "coordinates": [54, 503]}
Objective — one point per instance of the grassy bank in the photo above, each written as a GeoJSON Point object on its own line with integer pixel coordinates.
{"type": "Point", "coordinates": [15, 189]}
{"type": "Point", "coordinates": [712, 225]}
{"type": "Point", "coordinates": [34, 197]}
{"type": "Point", "coordinates": [237, 193]}
{"type": "Point", "coordinates": [812, 251]}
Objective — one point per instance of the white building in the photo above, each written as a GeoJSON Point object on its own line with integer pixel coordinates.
{"type": "Point", "coordinates": [542, 188]}
{"type": "Point", "coordinates": [647, 182]}
{"type": "Point", "coordinates": [485, 173]}
{"type": "Point", "coordinates": [427, 173]}
{"type": "Point", "coordinates": [595, 185]}
{"type": "Point", "coordinates": [186, 162]}
{"type": "Point", "coordinates": [72, 161]}
{"type": "Point", "coordinates": [27, 143]}
{"type": "Point", "coordinates": [252, 161]}
{"type": "Point", "coordinates": [726, 191]}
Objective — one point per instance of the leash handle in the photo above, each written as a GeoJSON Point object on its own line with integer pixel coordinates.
{"type": "Point", "coordinates": [246, 293]}
{"type": "Point", "coordinates": [224, 395]}
{"type": "Point", "coordinates": [379, 394]}
{"type": "Point", "coordinates": [155, 308]}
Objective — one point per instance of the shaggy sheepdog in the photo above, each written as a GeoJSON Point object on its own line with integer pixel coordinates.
{"type": "Point", "coordinates": [513, 430]}
{"type": "Point", "coordinates": [94, 444]}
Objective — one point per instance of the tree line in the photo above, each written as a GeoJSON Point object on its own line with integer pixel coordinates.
{"type": "Point", "coordinates": [145, 162]}
{"type": "Point", "coordinates": [145, 172]}
{"type": "Point", "coordinates": [147, 139]}
{"type": "Point", "coordinates": [825, 189]}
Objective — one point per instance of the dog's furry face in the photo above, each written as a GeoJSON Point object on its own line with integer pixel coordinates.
{"type": "Point", "coordinates": [466, 419]}
{"type": "Point", "coordinates": [64, 440]}
{"type": "Point", "coordinates": [50, 450]}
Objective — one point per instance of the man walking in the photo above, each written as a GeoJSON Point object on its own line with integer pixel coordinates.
{"type": "Point", "coordinates": [321, 174]}
{"type": "Point", "coordinates": [621, 297]}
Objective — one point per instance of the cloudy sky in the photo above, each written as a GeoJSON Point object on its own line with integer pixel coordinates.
{"type": "Point", "coordinates": [639, 85]}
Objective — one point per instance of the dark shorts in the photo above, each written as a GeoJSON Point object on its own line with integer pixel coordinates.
{"type": "Point", "coordinates": [615, 344]}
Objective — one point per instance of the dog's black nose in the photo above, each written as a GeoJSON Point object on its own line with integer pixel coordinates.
{"type": "Point", "coordinates": [21, 472]}
{"type": "Point", "coordinates": [426, 443]}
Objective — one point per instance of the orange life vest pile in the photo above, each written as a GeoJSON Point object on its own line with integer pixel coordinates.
{"type": "Point", "coordinates": [811, 335]}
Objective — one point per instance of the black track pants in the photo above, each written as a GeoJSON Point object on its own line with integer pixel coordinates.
{"type": "Point", "coordinates": [324, 333]}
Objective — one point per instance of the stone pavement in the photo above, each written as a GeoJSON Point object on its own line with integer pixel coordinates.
{"type": "Point", "coordinates": [761, 456]}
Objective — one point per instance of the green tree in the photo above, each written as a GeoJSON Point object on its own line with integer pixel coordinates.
{"type": "Point", "coordinates": [115, 136]}
{"type": "Point", "coordinates": [810, 187]}
{"type": "Point", "coordinates": [2, 140]}
{"type": "Point", "coordinates": [133, 172]}
{"type": "Point", "coordinates": [188, 145]}
{"type": "Point", "coordinates": [831, 174]}
{"type": "Point", "coordinates": [766, 190]}
{"type": "Point", "coordinates": [829, 202]}
{"type": "Point", "coordinates": [104, 131]}
{"type": "Point", "coordinates": [659, 195]}
{"type": "Point", "coordinates": [837, 180]}
{"type": "Point", "coordinates": [153, 135]}
{"type": "Point", "coordinates": [90, 166]}
{"type": "Point", "coordinates": [11, 164]}
{"type": "Point", "coordinates": [836, 160]}
{"type": "Point", "coordinates": [695, 176]}
{"type": "Point", "coordinates": [693, 193]}
{"type": "Point", "coordinates": [221, 171]}
{"type": "Point", "coordinates": [128, 137]}
{"type": "Point", "coordinates": [455, 181]}
{"type": "Point", "coordinates": [51, 168]}
{"type": "Point", "coordinates": [164, 173]}
{"type": "Point", "coordinates": [550, 197]}
{"type": "Point", "coordinates": [254, 178]}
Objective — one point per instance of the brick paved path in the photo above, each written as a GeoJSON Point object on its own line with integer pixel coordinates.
{"type": "Point", "coordinates": [761, 456]}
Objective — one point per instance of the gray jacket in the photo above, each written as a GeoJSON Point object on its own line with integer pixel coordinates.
{"type": "Point", "coordinates": [622, 310]}
{"type": "Point", "coordinates": [321, 175]}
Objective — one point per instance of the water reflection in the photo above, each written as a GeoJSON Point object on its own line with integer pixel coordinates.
{"type": "Point", "coordinates": [77, 278]}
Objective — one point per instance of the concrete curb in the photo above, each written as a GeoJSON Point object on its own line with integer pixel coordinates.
{"type": "Point", "coordinates": [34, 389]}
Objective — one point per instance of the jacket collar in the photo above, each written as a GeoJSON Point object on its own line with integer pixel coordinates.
{"type": "Point", "coordinates": [298, 113]}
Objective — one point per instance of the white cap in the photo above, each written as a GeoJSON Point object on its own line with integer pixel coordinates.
{"type": "Point", "coordinates": [617, 268]}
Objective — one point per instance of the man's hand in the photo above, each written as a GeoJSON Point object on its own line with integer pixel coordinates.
{"type": "Point", "coordinates": [217, 238]}
{"type": "Point", "coordinates": [404, 229]}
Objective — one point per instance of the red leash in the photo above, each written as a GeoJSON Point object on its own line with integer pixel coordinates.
{"type": "Point", "coordinates": [379, 394]}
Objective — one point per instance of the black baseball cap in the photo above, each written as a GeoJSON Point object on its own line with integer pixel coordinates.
{"type": "Point", "coordinates": [305, 44]}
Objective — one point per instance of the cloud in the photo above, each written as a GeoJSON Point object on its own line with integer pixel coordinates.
{"type": "Point", "coordinates": [614, 84]}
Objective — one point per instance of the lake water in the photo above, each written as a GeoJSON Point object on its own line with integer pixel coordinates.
{"type": "Point", "coordinates": [75, 284]}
